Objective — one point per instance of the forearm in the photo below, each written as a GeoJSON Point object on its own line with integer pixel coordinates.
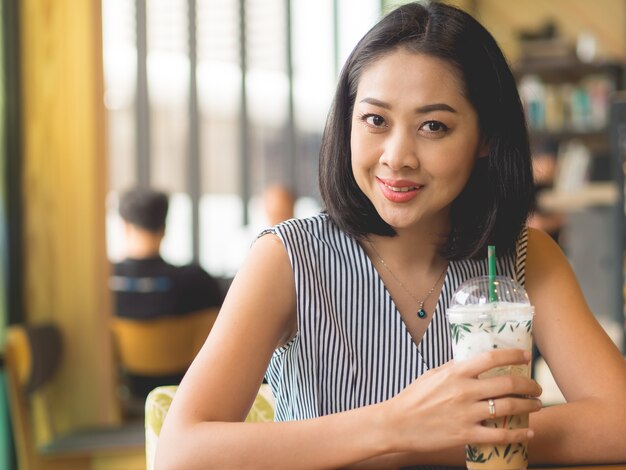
{"type": "Point", "coordinates": [332, 441]}
{"type": "Point", "coordinates": [357, 439]}
{"type": "Point", "coordinates": [587, 431]}
{"type": "Point", "coordinates": [452, 457]}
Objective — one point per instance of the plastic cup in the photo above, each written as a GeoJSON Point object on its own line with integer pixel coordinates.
{"type": "Point", "coordinates": [478, 325]}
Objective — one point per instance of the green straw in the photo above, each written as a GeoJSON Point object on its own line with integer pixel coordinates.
{"type": "Point", "coordinates": [491, 254]}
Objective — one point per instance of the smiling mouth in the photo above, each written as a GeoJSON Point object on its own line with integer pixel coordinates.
{"type": "Point", "coordinates": [404, 189]}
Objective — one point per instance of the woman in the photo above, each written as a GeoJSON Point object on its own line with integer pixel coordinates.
{"type": "Point", "coordinates": [424, 162]}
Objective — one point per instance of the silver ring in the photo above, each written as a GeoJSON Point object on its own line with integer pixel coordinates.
{"type": "Point", "coordinates": [492, 408]}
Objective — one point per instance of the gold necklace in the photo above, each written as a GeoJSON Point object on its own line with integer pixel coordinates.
{"type": "Point", "coordinates": [421, 313]}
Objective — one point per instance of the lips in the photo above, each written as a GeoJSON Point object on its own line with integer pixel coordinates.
{"type": "Point", "coordinates": [399, 190]}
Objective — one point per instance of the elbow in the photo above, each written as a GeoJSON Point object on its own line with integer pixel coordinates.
{"type": "Point", "coordinates": [170, 453]}
{"type": "Point", "coordinates": [184, 448]}
{"type": "Point", "coordinates": [164, 458]}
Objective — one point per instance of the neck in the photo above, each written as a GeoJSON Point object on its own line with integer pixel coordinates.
{"type": "Point", "coordinates": [419, 250]}
{"type": "Point", "coordinates": [142, 244]}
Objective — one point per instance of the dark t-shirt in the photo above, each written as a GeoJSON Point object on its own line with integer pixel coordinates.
{"type": "Point", "coordinates": [149, 288]}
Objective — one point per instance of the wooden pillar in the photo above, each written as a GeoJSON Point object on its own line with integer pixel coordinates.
{"type": "Point", "coordinates": [64, 186]}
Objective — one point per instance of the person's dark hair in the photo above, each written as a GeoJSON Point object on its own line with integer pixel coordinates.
{"type": "Point", "coordinates": [145, 208]}
{"type": "Point", "coordinates": [494, 205]}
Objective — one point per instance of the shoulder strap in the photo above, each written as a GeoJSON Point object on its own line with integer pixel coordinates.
{"type": "Point", "coordinates": [521, 248]}
{"type": "Point", "coordinates": [266, 231]}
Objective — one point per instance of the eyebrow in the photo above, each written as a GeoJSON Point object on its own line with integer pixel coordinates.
{"type": "Point", "coordinates": [421, 110]}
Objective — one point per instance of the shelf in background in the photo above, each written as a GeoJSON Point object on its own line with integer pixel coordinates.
{"type": "Point", "coordinates": [592, 195]}
{"type": "Point", "coordinates": [564, 68]}
{"type": "Point", "coordinates": [568, 134]}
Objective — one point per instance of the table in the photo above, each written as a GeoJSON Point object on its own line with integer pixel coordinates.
{"type": "Point", "coordinates": [583, 467]}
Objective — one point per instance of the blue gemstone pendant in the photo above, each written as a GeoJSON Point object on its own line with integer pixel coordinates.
{"type": "Point", "coordinates": [421, 313]}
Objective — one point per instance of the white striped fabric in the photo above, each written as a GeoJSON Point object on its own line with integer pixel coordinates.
{"type": "Point", "coordinates": [352, 348]}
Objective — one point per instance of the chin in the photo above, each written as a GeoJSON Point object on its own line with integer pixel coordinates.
{"type": "Point", "coordinates": [401, 223]}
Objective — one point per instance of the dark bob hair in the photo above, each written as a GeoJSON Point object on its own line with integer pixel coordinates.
{"type": "Point", "coordinates": [494, 205]}
{"type": "Point", "coordinates": [145, 208]}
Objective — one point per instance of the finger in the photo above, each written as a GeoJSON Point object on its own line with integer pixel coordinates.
{"type": "Point", "coordinates": [503, 385]}
{"type": "Point", "coordinates": [504, 407]}
{"type": "Point", "coordinates": [495, 358]}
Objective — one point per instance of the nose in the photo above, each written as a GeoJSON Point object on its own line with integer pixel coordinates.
{"type": "Point", "coordinates": [400, 150]}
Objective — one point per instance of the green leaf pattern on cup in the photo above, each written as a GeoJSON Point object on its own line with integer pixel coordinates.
{"type": "Point", "coordinates": [458, 330]}
{"type": "Point", "coordinates": [473, 454]}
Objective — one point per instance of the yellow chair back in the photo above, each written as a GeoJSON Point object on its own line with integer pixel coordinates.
{"type": "Point", "coordinates": [158, 403]}
{"type": "Point", "coordinates": [32, 355]}
{"type": "Point", "coordinates": [163, 346]}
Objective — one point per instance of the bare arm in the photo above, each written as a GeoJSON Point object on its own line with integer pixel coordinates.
{"type": "Point", "coordinates": [586, 365]}
{"type": "Point", "coordinates": [438, 412]}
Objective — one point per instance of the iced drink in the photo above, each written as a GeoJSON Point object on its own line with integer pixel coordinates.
{"type": "Point", "coordinates": [478, 325]}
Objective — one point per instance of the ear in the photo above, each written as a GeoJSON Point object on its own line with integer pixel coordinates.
{"type": "Point", "coordinates": [484, 148]}
{"type": "Point", "coordinates": [126, 226]}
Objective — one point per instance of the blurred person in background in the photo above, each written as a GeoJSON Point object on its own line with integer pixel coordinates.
{"type": "Point", "coordinates": [145, 285]}
{"type": "Point", "coordinates": [544, 159]}
{"type": "Point", "coordinates": [278, 203]}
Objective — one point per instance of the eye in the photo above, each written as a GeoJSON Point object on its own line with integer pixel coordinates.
{"type": "Point", "coordinates": [374, 120]}
{"type": "Point", "coordinates": [434, 127]}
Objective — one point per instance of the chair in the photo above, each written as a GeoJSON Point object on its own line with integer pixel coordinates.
{"type": "Point", "coordinates": [158, 403]}
{"type": "Point", "coordinates": [157, 351]}
{"type": "Point", "coordinates": [32, 356]}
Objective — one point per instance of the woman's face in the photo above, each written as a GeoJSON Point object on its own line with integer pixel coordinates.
{"type": "Point", "coordinates": [415, 139]}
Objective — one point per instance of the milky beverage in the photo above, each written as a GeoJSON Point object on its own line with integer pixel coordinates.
{"type": "Point", "coordinates": [483, 326]}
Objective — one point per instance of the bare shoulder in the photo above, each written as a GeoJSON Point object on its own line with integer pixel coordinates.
{"type": "Point", "coordinates": [550, 281]}
{"type": "Point", "coordinates": [267, 248]}
{"type": "Point", "coordinates": [545, 259]}
{"type": "Point", "coordinates": [540, 243]}
{"type": "Point", "coordinates": [264, 286]}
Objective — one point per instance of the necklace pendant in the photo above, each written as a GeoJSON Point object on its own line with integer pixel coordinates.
{"type": "Point", "coordinates": [421, 313]}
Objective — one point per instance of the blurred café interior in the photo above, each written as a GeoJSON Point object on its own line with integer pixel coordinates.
{"type": "Point", "coordinates": [212, 101]}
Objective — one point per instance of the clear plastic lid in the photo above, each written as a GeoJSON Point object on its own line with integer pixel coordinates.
{"type": "Point", "coordinates": [476, 291]}
{"type": "Point", "coordinates": [506, 297]}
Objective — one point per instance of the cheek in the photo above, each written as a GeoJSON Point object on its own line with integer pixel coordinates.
{"type": "Point", "coordinates": [454, 172]}
{"type": "Point", "coordinates": [354, 144]}
{"type": "Point", "coordinates": [359, 148]}
{"type": "Point", "coordinates": [355, 153]}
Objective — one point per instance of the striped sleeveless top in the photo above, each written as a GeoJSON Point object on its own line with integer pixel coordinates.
{"type": "Point", "coordinates": [352, 348]}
